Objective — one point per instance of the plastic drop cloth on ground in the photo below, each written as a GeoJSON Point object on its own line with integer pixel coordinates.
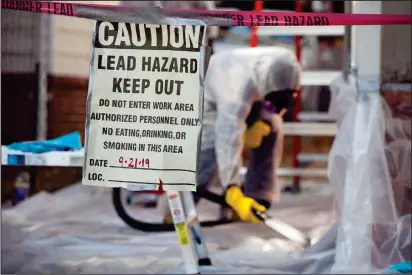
{"type": "Point", "coordinates": [370, 172]}
{"type": "Point", "coordinates": [76, 230]}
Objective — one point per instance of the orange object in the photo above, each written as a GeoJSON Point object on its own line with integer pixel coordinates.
{"type": "Point", "coordinates": [254, 36]}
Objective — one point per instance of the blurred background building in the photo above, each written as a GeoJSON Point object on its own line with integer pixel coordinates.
{"type": "Point", "coordinates": [44, 77]}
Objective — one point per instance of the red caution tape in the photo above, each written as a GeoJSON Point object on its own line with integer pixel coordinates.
{"type": "Point", "coordinates": [215, 17]}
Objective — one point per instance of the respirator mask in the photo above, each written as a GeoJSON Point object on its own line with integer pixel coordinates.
{"type": "Point", "coordinates": [273, 102]}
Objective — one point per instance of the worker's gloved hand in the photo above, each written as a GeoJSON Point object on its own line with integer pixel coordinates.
{"type": "Point", "coordinates": [253, 136]}
{"type": "Point", "coordinates": [243, 205]}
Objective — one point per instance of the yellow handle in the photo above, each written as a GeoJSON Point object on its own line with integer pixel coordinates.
{"type": "Point", "coordinates": [243, 205]}
{"type": "Point", "coordinates": [252, 138]}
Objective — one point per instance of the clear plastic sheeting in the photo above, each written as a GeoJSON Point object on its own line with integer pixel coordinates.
{"type": "Point", "coordinates": [370, 171]}
{"type": "Point", "coordinates": [76, 230]}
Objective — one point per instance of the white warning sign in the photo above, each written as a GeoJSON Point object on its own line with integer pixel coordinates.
{"type": "Point", "coordinates": [144, 106]}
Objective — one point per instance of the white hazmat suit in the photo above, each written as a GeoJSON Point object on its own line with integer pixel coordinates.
{"type": "Point", "coordinates": [234, 81]}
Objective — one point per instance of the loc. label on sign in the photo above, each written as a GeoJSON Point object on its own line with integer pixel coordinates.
{"type": "Point", "coordinates": [144, 106]}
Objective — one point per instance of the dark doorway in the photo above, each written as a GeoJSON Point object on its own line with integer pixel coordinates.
{"type": "Point", "coordinates": [19, 97]}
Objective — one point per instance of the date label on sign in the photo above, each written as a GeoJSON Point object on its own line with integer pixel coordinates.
{"type": "Point", "coordinates": [98, 162]}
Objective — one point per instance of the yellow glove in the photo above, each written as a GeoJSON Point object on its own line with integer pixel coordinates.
{"type": "Point", "coordinates": [243, 205]}
{"type": "Point", "coordinates": [252, 138]}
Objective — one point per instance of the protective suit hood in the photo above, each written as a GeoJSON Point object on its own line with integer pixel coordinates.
{"type": "Point", "coordinates": [274, 68]}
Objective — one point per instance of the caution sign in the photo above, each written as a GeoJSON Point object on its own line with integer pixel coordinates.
{"type": "Point", "coordinates": [144, 106]}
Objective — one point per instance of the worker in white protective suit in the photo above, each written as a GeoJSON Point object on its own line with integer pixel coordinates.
{"type": "Point", "coordinates": [238, 87]}
{"type": "Point", "coordinates": [237, 83]}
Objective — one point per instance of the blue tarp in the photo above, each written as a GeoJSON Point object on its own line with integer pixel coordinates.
{"type": "Point", "coordinates": [401, 268]}
{"type": "Point", "coordinates": [68, 142]}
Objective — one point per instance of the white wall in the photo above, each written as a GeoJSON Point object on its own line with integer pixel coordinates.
{"type": "Point", "coordinates": [71, 40]}
{"type": "Point", "coordinates": [67, 52]}
{"type": "Point", "coordinates": [19, 41]}
{"type": "Point", "coordinates": [396, 45]}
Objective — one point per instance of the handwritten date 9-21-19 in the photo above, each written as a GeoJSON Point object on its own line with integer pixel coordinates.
{"type": "Point", "coordinates": [134, 162]}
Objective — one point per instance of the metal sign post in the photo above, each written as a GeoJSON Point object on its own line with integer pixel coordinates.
{"type": "Point", "coordinates": [187, 226]}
